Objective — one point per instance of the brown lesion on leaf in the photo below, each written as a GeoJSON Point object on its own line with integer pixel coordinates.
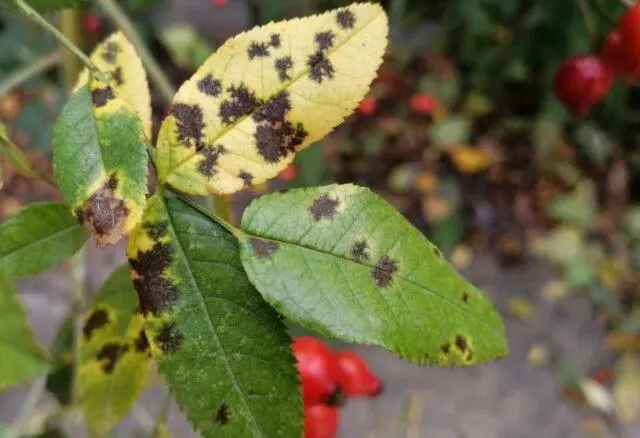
{"type": "Point", "coordinates": [222, 415]}
{"type": "Point", "coordinates": [98, 319]}
{"type": "Point", "coordinates": [465, 297]}
{"type": "Point", "coordinates": [241, 103]}
{"type": "Point", "coordinates": [156, 292]}
{"type": "Point", "coordinates": [141, 343]}
{"type": "Point", "coordinates": [384, 271]}
{"type": "Point", "coordinates": [276, 137]}
{"type": "Point", "coordinates": [247, 179]}
{"type": "Point", "coordinates": [258, 50]}
{"type": "Point", "coordinates": [117, 76]}
{"type": "Point", "coordinates": [211, 154]}
{"type": "Point", "coordinates": [263, 248]}
{"type": "Point", "coordinates": [190, 124]}
{"type": "Point", "coordinates": [320, 67]}
{"type": "Point", "coordinates": [169, 338]}
{"type": "Point", "coordinates": [283, 65]}
{"type": "Point", "coordinates": [103, 214]}
{"type": "Point", "coordinates": [461, 343]}
{"type": "Point", "coordinates": [445, 348]}
{"type": "Point", "coordinates": [346, 19]}
{"type": "Point", "coordinates": [360, 251]}
{"type": "Point", "coordinates": [324, 207]}
{"type": "Point", "coordinates": [111, 50]}
{"type": "Point", "coordinates": [210, 86]}
{"type": "Point", "coordinates": [324, 40]}
{"type": "Point", "coordinates": [275, 41]}
{"type": "Point", "coordinates": [111, 354]}
{"type": "Point", "coordinates": [101, 96]}
{"type": "Point", "coordinates": [156, 230]}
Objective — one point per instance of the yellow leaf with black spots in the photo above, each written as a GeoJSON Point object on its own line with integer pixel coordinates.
{"type": "Point", "coordinates": [266, 94]}
{"type": "Point", "coordinates": [100, 161]}
{"type": "Point", "coordinates": [117, 59]}
{"type": "Point", "coordinates": [114, 354]}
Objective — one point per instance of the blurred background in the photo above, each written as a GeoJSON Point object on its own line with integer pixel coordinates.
{"type": "Point", "coordinates": [462, 132]}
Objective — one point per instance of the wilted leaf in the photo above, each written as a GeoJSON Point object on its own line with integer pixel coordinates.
{"type": "Point", "coordinates": [626, 389]}
{"type": "Point", "coordinates": [266, 94]}
{"type": "Point", "coordinates": [37, 238]}
{"type": "Point", "coordinates": [20, 355]}
{"type": "Point", "coordinates": [223, 351]}
{"type": "Point", "coordinates": [340, 260]}
{"type": "Point", "coordinates": [114, 354]}
{"type": "Point", "coordinates": [100, 162]}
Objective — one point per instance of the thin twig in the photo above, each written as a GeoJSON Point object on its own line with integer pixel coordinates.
{"type": "Point", "coordinates": [34, 68]}
{"type": "Point", "coordinates": [115, 14]}
{"type": "Point", "coordinates": [588, 22]}
{"type": "Point", "coordinates": [30, 402]}
{"type": "Point", "coordinates": [595, 4]}
{"type": "Point", "coordinates": [69, 19]}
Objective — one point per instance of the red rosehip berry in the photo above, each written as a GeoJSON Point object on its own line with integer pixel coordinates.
{"type": "Point", "coordinates": [355, 377]}
{"type": "Point", "coordinates": [617, 57]}
{"type": "Point", "coordinates": [320, 421]}
{"type": "Point", "coordinates": [367, 106]}
{"type": "Point", "coordinates": [582, 81]}
{"type": "Point", "coordinates": [317, 368]}
{"type": "Point", "coordinates": [423, 103]}
{"type": "Point", "coordinates": [219, 2]}
{"type": "Point", "coordinates": [289, 173]}
{"type": "Point", "coordinates": [92, 24]}
{"type": "Point", "coordinates": [629, 27]}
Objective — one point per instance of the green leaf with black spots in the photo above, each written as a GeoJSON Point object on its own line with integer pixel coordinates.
{"type": "Point", "coordinates": [45, 5]}
{"type": "Point", "coordinates": [340, 260]}
{"type": "Point", "coordinates": [223, 351]}
{"type": "Point", "coordinates": [39, 237]}
{"type": "Point", "coordinates": [21, 358]}
{"type": "Point", "coordinates": [100, 162]}
{"type": "Point", "coordinates": [114, 354]}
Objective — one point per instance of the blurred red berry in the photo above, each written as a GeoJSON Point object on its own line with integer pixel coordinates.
{"type": "Point", "coordinates": [219, 2]}
{"type": "Point", "coordinates": [367, 106]}
{"type": "Point", "coordinates": [581, 81]}
{"type": "Point", "coordinates": [320, 421]}
{"type": "Point", "coordinates": [423, 103]}
{"type": "Point", "coordinates": [616, 56]}
{"type": "Point", "coordinates": [92, 24]}
{"type": "Point", "coordinates": [317, 368]}
{"type": "Point", "coordinates": [289, 173]}
{"type": "Point", "coordinates": [355, 377]}
{"type": "Point", "coordinates": [629, 27]}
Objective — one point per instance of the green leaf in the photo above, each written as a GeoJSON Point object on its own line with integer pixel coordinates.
{"type": "Point", "coordinates": [114, 354]}
{"type": "Point", "coordinates": [44, 5]}
{"type": "Point", "coordinates": [342, 261]}
{"type": "Point", "coordinates": [22, 357]}
{"type": "Point", "coordinates": [100, 162]}
{"type": "Point", "coordinates": [223, 351]}
{"type": "Point", "coordinates": [14, 156]}
{"type": "Point", "coordinates": [37, 238]}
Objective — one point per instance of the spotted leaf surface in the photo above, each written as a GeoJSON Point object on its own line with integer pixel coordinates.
{"type": "Point", "coordinates": [266, 94]}
{"type": "Point", "coordinates": [342, 261]}
{"type": "Point", "coordinates": [114, 354]}
{"type": "Point", "coordinates": [117, 59]}
{"type": "Point", "coordinates": [21, 358]}
{"type": "Point", "coordinates": [223, 351]}
{"type": "Point", "coordinates": [38, 237]}
{"type": "Point", "coordinates": [100, 162]}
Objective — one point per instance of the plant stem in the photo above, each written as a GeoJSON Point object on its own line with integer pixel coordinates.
{"type": "Point", "coordinates": [29, 404]}
{"type": "Point", "coordinates": [588, 23]}
{"type": "Point", "coordinates": [23, 74]}
{"type": "Point", "coordinates": [163, 413]}
{"type": "Point", "coordinates": [223, 208]}
{"type": "Point", "coordinates": [114, 12]}
{"type": "Point", "coordinates": [595, 4]}
{"type": "Point", "coordinates": [33, 15]}
{"type": "Point", "coordinates": [69, 19]}
{"type": "Point", "coordinates": [77, 290]}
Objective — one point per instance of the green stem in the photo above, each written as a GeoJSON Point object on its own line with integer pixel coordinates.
{"type": "Point", "coordinates": [69, 19]}
{"type": "Point", "coordinates": [588, 23]}
{"type": "Point", "coordinates": [31, 400]}
{"type": "Point", "coordinates": [33, 15]}
{"type": "Point", "coordinates": [118, 16]}
{"type": "Point", "coordinates": [29, 71]}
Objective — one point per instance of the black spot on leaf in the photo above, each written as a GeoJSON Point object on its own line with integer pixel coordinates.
{"type": "Point", "coordinates": [465, 297]}
{"type": "Point", "coordinates": [100, 96]}
{"type": "Point", "coordinates": [436, 251]}
{"type": "Point", "coordinates": [323, 207]}
{"type": "Point", "coordinates": [141, 343]}
{"type": "Point", "coordinates": [210, 86]}
{"type": "Point", "coordinates": [169, 338]}
{"type": "Point", "coordinates": [246, 178]}
{"type": "Point", "coordinates": [99, 318]}
{"type": "Point", "coordinates": [446, 348]}
{"type": "Point", "coordinates": [103, 214]}
{"type": "Point", "coordinates": [360, 250]}
{"type": "Point", "coordinates": [320, 68]}
{"type": "Point", "coordinates": [263, 248]}
{"type": "Point", "coordinates": [242, 102]}
{"type": "Point", "coordinates": [345, 19]}
{"type": "Point", "coordinates": [283, 65]}
{"type": "Point", "coordinates": [117, 76]}
{"type": "Point", "coordinates": [258, 50]}
{"type": "Point", "coordinates": [155, 230]}
{"type": "Point", "coordinates": [111, 354]}
{"type": "Point", "coordinates": [274, 40]}
{"type": "Point", "coordinates": [223, 415]}
{"type": "Point", "coordinates": [324, 40]}
{"type": "Point", "coordinates": [111, 50]}
{"type": "Point", "coordinates": [384, 271]}
{"type": "Point", "coordinates": [190, 123]}
{"type": "Point", "coordinates": [461, 343]}
{"type": "Point", "coordinates": [211, 154]}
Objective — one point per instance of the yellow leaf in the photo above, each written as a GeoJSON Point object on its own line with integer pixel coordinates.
{"type": "Point", "coordinates": [117, 58]}
{"type": "Point", "coordinates": [468, 159]}
{"type": "Point", "coordinates": [266, 94]}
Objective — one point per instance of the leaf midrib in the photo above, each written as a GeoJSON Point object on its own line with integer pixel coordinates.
{"type": "Point", "coordinates": [286, 85]}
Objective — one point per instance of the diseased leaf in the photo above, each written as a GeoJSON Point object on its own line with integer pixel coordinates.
{"type": "Point", "coordinates": [37, 238]}
{"type": "Point", "coordinates": [340, 260]}
{"type": "Point", "coordinates": [21, 358]}
{"type": "Point", "coordinates": [14, 156]}
{"type": "Point", "coordinates": [114, 354]}
{"type": "Point", "coordinates": [117, 58]}
{"type": "Point", "coordinates": [266, 94]}
{"type": "Point", "coordinates": [100, 162]}
{"type": "Point", "coordinates": [223, 351]}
